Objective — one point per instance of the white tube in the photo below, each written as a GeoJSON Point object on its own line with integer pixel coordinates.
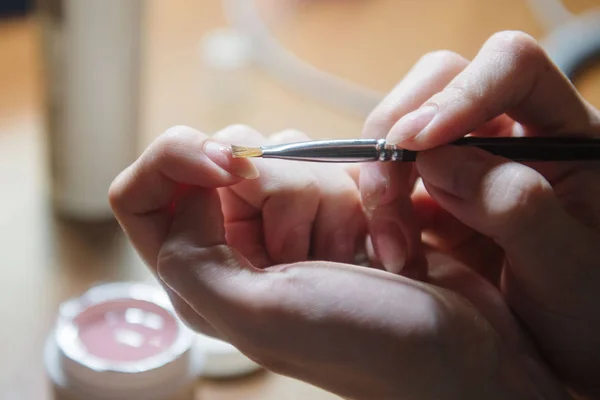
{"type": "Point", "coordinates": [93, 54]}
{"type": "Point", "coordinates": [270, 55]}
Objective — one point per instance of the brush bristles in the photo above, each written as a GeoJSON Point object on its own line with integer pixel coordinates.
{"type": "Point", "coordinates": [245, 152]}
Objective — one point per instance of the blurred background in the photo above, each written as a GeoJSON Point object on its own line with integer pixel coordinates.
{"type": "Point", "coordinates": [313, 65]}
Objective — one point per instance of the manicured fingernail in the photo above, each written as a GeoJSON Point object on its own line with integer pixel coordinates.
{"type": "Point", "coordinates": [373, 185]}
{"type": "Point", "coordinates": [221, 155]}
{"type": "Point", "coordinates": [390, 246]}
{"type": "Point", "coordinates": [409, 126]}
{"type": "Point", "coordinates": [296, 244]}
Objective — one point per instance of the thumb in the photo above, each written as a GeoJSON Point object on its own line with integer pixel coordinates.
{"type": "Point", "coordinates": [196, 264]}
{"type": "Point", "coordinates": [517, 207]}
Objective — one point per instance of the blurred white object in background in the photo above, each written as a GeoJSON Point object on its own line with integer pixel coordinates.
{"type": "Point", "coordinates": [284, 65]}
{"type": "Point", "coordinates": [91, 49]}
{"type": "Point", "coordinates": [227, 58]}
{"type": "Point", "coordinates": [571, 41]}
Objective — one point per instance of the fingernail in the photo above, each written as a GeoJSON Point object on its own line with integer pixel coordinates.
{"type": "Point", "coordinates": [221, 155]}
{"type": "Point", "coordinates": [373, 261]}
{"type": "Point", "coordinates": [373, 185]}
{"type": "Point", "coordinates": [296, 244]}
{"type": "Point", "coordinates": [390, 246]}
{"type": "Point", "coordinates": [409, 126]}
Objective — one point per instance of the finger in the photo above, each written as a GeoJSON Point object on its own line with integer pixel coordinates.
{"type": "Point", "coordinates": [285, 196]}
{"type": "Point", "coordinates": [182, 157]}
{"type": "Point", "coordinates": [446, 233]}
{"type": "Point", "coordinates": [517, 207]}
{"type": "Point", "coordinates": [353, 170]}
{"type": "Point", "coordinates": [385, 188]}
{"type": "Point", "coordinates": [511, 74]}
{"type": "Point", "coordinates": [243, 221]}
{"type": "Point", "coordinates": [551, 275]}
{"type": "Point", "coordinates": [340, 224]}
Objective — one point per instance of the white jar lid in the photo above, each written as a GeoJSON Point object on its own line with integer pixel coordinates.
{"type": "Point", "coordinates": [122, 341]}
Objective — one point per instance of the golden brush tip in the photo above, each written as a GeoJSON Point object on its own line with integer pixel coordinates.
{"type": "Point", "coordinates": [244, 152]}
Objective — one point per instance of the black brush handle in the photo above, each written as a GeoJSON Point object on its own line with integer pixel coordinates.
{"type": "Point", "coordinates": [530, 148]}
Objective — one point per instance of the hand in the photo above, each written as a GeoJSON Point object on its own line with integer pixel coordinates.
{"type": "Point", "coordinates": [531, 230]}
{"type": "Point", "coordinates": [217, 234]}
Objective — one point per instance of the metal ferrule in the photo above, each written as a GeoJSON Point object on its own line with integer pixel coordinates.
{"type": "Point", "coordinates": [342, 151]}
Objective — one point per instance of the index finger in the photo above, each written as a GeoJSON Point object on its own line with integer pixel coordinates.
{"type": "Point", "coordinates": [142, 195]}
{"type": "Point", "coordinates": [512, 74]}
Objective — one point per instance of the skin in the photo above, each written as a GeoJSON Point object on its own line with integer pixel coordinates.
{"type": "Point", "coordinates": [484, 275]}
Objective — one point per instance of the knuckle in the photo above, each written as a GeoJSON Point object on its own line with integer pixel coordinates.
{"type": "Point", "coordinates": [116, 191]}
{"type": "Point", "coordinates": [236, 132]}
{"type": "Point", "coordinates": [172, 142]}
{"type": "Point", "coordinates": [310, 186]}
{"type": "Point", "coordinates": [516, 194]}
{"type": "Point", "coordinates": [176, 134]}
{"type": "Point", "coordinates": [518, 45]}
{"type": "Point", "coordinates": [306, 185]}
{"type": "Point", "coordinates": [179, 251]}
{"type": "Point", "coordinates": [288, 135]}
{"type": "Point", "coordinates": [379, 120]}
{"type": "Point", "coordinates": [460, 93]}
{"type": "Point", "coordinates": [439, 62]}
{"type": "Point", "coordinates": [473, 96]}
{"type": "Point", "coordinates": [441, 57]}
{"type": "Point", "coordinates": [457, 92]}
{"type": "Point", "coordinates": [239, 128]}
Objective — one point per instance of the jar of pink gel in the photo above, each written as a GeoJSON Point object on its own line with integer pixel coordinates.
{"type": "Point", "coordinates": [122, 341]}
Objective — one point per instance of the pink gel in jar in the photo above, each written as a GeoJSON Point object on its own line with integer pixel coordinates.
{"type": "Point", "coordinates": [126, 330]}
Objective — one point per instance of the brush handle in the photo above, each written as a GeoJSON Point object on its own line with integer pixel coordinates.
{"type": "Point", "coordinates": [365, 150]}
{"type": "Point", "coordinates": [530, 148]}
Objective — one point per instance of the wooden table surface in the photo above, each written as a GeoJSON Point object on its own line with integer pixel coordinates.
{"type": "Point", "coordinates": [45, 260]}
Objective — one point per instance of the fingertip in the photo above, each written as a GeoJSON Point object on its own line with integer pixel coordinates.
{"type": "Point", "coordinates": [222, 155]}
{"type": "Point", "coordinates": [117, 188]}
